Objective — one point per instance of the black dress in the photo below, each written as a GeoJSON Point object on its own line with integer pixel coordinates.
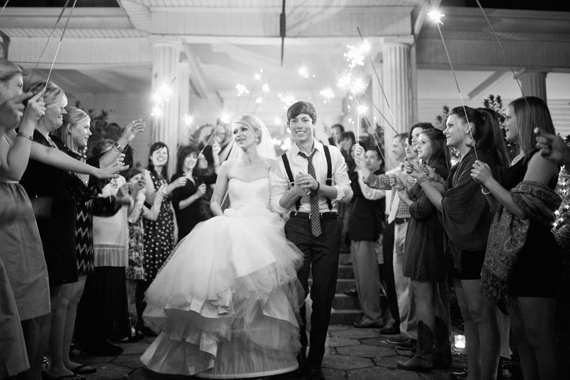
{"type": "Point", "coordinates": [538, 267]}
{"type": "Point", "coordinates": [188, 217]}
{"type": "Point", "coordinates": [53, 188]}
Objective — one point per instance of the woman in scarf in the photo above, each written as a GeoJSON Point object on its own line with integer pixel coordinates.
{"type": "Point", "coordinates": [466, 218]}
{"type": "Point", "coordinates": [523, 261]}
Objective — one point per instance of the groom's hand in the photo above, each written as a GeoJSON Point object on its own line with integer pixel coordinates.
{"type": "Point", "coordinates": [302, 184]}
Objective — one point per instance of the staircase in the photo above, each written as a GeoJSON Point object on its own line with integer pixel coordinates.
{"type": "Point", "coordinates": [346, 309]}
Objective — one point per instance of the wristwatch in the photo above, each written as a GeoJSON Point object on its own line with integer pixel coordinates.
{"type": "Point", "coordinates": [118, 147]}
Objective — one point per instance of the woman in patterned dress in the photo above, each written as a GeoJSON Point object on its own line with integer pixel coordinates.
{"type": "Point", "coordinates": [73, 137]}
{"type": "Point", "coordinates": [160, 235]}
{"type": "Point", "coordinates": [135, 268]}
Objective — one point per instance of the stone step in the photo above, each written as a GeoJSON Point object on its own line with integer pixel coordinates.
{"type": "Point", "coordinates": [345, 317]}
{"type": "Point", "coordinates": [344, 302]}
{"type": "Point", "coordinates": [343, 284]}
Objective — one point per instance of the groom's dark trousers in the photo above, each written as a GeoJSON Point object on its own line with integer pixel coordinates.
{"type": "Point", "coordinates": [321, 255]}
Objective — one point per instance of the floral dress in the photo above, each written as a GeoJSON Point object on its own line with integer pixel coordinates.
{"type": "Point", "coordinates": [158, 237]}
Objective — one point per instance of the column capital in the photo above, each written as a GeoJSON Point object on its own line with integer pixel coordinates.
{"type": "Point", "coordinates": [524, 72]}
{"type": "Point", "coordinates": [398, 41]}
{"type": "Point", "coordinates": [165, 41]}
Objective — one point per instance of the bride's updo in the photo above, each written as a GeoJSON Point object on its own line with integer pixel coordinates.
{"type": "Point", "coordinates": [252, 122]}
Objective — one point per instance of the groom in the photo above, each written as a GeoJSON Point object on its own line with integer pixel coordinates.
{"type": "Point", "coordinates": [307, 182]}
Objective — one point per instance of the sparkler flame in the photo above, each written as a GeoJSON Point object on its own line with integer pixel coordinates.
{"type": "Point", "coordinates": [188, 119]}
{"type": "Point", "coordinates": [436, 16]}
{"type": "Point", "coordinates": [327, 93]}
{"type": "Point", "coordinates": [357, 86]}
{"type": "Point", "coordinates": [241, 89]}
{"type": "Point", "coordinates": [355, 55]}
{"type": "Point", "coordinates": [225, 117]}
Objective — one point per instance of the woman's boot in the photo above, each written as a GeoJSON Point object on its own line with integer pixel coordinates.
{"type": "Point", "coordinates": [442, 347]}
{"type": "Point", "coordinates": [422, 361]}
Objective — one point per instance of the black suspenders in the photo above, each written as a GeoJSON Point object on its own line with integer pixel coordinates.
{"type": "Point", "coordinates": [292, 180]}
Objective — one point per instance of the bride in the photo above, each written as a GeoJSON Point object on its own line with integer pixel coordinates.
{"type": "Point", "coordinates": [226, 303]}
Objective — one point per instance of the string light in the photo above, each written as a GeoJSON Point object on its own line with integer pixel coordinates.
{"type": "Point", "coordinates": [265, 87]}
{"type": "Point", "coordinates": [303, 72]}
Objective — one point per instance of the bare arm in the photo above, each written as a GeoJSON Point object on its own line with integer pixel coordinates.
{"type": "Point", "coordinates": [131, 130]}
{"type": "Point", "coordinates": [15, 158]}
{"type": "Point", "coordinates": [220, 189]}
{"type": "Point", "coordinates": [539, 170]}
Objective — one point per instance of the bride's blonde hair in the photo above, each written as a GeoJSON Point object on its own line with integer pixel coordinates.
{"type": "Point", "coordinates": [252, 122]}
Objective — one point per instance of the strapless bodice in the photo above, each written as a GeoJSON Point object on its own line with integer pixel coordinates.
{"type": "Point", "coordinates": [246, 193]}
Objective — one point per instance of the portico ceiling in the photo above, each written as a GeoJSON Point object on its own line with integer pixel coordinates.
{"type": "Point", "coordinates": [225, 42]}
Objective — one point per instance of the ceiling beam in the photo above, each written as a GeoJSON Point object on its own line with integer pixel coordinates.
{"type": "Point", "coordinates": [487, 83]}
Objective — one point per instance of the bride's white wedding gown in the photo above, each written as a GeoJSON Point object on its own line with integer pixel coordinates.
{"type": "Point", "coordinates": [226, 303]}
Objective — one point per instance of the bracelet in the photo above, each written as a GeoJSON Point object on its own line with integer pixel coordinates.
{"type": "Point", "coordinates": [485, 193]}
{"type": "Point", "coordinates": [422, 179]}
{"type": "Point", "coordinates": [318, 186]}
{"type": "Point", "coordinates": [26, 136]}
{"type": "Point", "coordinates": [118, 147]}
{"type": "Point", "coordinates": [399, 188]}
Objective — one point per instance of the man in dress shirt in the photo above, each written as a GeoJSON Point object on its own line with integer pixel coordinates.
{"type": "Point", "coordinates": [300, 187]}
{"type": "Point", "coordinates": [398, 218]}
{"type": "Point", "coordinates": [364, 228]}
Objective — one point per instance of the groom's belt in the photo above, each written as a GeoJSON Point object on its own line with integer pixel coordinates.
{"type": "Point", "coordinates": [307, 215]}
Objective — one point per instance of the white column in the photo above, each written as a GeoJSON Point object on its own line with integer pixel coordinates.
{"type": "Point", "coordinates": [397, 82]}
{"type": "Point", "coordinates": [184, 103]}
{"type": "Point", "coordinates": [165, 67]}
{"type": "Point", "coordinates": [533, 83]}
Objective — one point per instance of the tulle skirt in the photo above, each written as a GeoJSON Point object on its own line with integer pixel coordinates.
{"type": "Point", "coordinates": [227, 300]}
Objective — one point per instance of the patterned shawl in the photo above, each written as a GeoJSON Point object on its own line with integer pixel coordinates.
{"type": "Point", "coordinates": [508, 234]}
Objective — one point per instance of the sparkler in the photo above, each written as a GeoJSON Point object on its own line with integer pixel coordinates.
{"type": "Point", "coordinates": [305, 74]}
{"type": "Point", "coordinates": [4, 7]}
{"type": "Point", "coordinates": [508, 62]}
{"type": "Point", "coordinates": [379, 83]}
{"type": "Point", "coordinates": [160, 98]}
{"type": "Point", "coordinates": [59, 44]}
{"type": "Point", "coordinates": [257, 78]}
{"type": "Point", "coordinates": [49, 38]}
{"type": "Point", "coordinates": [241, 89]}
{"type": "Point", "coordinates": [436, 17]}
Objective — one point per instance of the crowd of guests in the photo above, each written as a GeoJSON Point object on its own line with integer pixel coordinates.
{"type": "Point", "coordinates": [459, 212]}
{"type": "Point", "coordinates": [84, 237]}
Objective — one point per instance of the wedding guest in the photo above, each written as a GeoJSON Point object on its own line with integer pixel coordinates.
{"type": "Point", "coordinates": [135, 268]}
{"type": "Point", "coordinates": [364, 229]}
{"type": "Point", "coordinates": [527, 273]}
{"type": "Point", "coordinates": [424, 259]}
{"type": "Point", "coordinates": [186, 199]}
{"type": "Point", "coordinates": [161, 235]}
{"type": "Point", "coordinates": [466, 218]}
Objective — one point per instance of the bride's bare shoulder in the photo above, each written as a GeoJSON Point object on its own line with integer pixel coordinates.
{"type": "Point", "coordinates": [268, 162]}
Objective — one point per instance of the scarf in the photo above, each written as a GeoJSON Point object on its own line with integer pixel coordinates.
{"type": "Point", "coordinates": [508, 235]}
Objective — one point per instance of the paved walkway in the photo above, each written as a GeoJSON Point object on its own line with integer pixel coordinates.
{"type": "Point", "coordinates": [354, 354]}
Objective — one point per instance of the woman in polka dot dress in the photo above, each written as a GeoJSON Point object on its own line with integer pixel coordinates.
{"type": "Point", "coordinates": [159, 235]}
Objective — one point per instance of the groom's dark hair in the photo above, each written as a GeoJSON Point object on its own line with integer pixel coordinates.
{"type": "Point", "coordinates": [302, 107]}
